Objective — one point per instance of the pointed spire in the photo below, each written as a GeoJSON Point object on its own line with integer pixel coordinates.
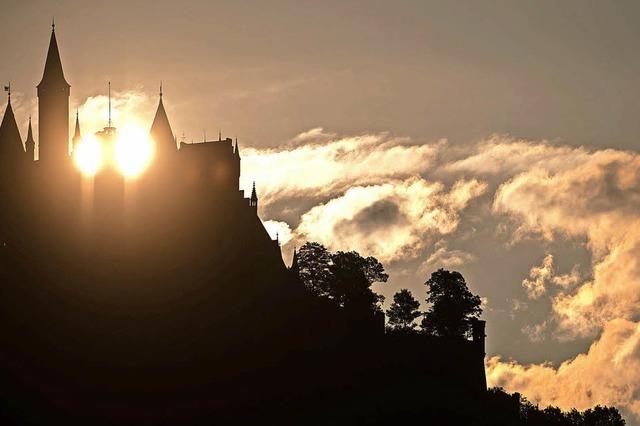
{"type": "Point", "coordinates": [30, 144]}
{"type": "Point", "coordinates": [53, 72]}
{"type": "Point", "coordinates": [29, 131]}
{"type": "Point", "coordinates": [219, 135]}
{"type": "Point", "coordinates": [237, 150]}
{"type": "Point", "coordinates": [254, 196]}
{"type": "Point", "coordinates": [77, 136]}
{"type": "Point", "coordinates": [10, 139]}
{"type": "Point", "coordinates": [161, 131]}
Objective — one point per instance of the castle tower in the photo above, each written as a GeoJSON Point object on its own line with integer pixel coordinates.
{"type": "Point", "coordinates": [30, 144]}
{"type": "Point", "coordinates": [161, 132]}
{"type": "Point", "coordinates": [77, 136]}
{"type": "Point", "coordinates": [53, 109]}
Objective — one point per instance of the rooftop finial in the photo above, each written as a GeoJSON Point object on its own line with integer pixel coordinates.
{"type": "Point", "coordinates": [53, 23]}
{"type": "Point", "coordinates": [160, 89]}
{"type": "Point", "coordinates": [8, 90]}
{"type": "Point", "coordinates": [219, 135]}
{"type": "Point", "coordinates": [109, 104]}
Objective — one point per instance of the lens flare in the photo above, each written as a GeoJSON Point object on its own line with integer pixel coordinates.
{"type": "Point", "coordinates": [133, 151]}
{"type": "Point", "coordinates": [88, 156]}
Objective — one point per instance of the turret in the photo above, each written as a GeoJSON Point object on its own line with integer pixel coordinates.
{"type": "Point", "coordinates": [253, 201]}
{"type": "Point", "coordinates": [30, 144]}
{"type": "Point", "coordinates": [53, 108]}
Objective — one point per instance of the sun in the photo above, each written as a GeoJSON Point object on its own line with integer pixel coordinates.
{"type": "Point", "coordinates": [130, 152]}
{"type": "Point", "coordinates": [88, 156]}
{"type": "Point", "coordinates": [133, 152]}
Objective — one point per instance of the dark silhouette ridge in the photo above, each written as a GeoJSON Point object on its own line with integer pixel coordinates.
{"type": "Point", "coordinates": [163, 300]}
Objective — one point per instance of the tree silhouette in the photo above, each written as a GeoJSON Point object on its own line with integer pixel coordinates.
{"type": "Point", "coordinates": [452, 305]}
{"type": "Point", "coordinates": [351, 277]}
{"type": "Point", "coordinates": [403, 311]}
{"type": "Point", "coordinates": [313, 268]}
{"type": "Point", "coordinates": [600, 416]}
{"type": "Point", "coordinates": [344, 277]}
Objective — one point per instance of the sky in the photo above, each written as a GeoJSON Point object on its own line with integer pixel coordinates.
{"type": "Point", "coordinates": [497, 138]}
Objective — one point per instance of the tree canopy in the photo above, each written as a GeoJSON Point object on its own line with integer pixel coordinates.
{"type": "Point", "coordinates": [344, 277]}
{"type": "Point", "coordinates": [403, 311]}
{"type": "Point", "coordinates": [452, 305]}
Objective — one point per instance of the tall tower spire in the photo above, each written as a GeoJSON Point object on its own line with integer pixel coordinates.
{"type": "Point", "coordinates": [53, 107]}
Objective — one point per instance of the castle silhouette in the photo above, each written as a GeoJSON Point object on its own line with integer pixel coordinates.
{"type": "Point", "coordinates": [164, 300]}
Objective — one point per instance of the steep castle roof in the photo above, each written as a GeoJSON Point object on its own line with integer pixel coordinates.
{"type": "Point", "coordinates": [10, 139]}
{"type": "Point", "coordinates": [161, 129]}
{"type": "Point", "coordinates": [53, 72]}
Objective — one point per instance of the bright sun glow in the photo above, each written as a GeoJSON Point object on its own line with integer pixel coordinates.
{"type": "Point", "coordinates": [131, 154]}
{"type": "Point", "coordinates": [88, 156]}
{"type": "Point", "coordinates": [133, 151]}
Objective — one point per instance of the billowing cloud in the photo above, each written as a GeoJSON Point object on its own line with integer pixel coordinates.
{"type": "Point", "coordinates": [588, 200]}
{"type": "Point", "coordinates": [535, 285]}
{"type": "Point", "coordinates": [504, 156]}
{"type": "Point", "coordinates": [390, 221]}
{"type": "Point", "coordinates": [318, 164]}
{"type": "Point", "coordinates": [608, 373]}
{"type": "Point", "coordinates": [279, 230]}
{"type": "Point", "coordinates": [540, 277]}
{"type": "Point", "coordinates": [444, 257]}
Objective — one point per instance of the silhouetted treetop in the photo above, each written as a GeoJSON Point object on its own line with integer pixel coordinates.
{"type": "Point", "coordinates": [344, 277]}
{"type": "Point", "coordinates": [313, 267]}
{"type": "Point", "coordinates": [452, 305]}
{"type": "Point", "coordinates": [403, 311]}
